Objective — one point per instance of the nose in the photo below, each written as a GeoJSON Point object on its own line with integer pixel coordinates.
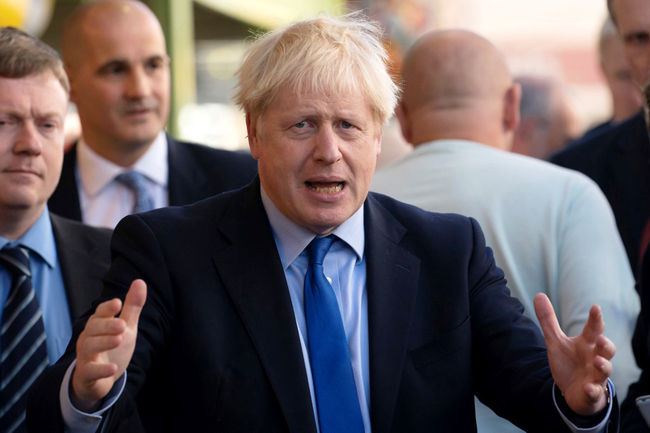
{"type": "Point", "coordinates": [28, 140]}
{"type": "Point", "coordinates": [137, 84]}
{"type": "Point", "coordinates": [326, 148]}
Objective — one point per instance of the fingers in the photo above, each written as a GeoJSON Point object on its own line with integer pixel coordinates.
{"type": "Point", "coordinates": [595, 325]}
{"type": "Point", "coordinates": [96, 370]}
{"type": "Point", "coordinates": [596, 393]}
{"type": "Point", "coordinates": [546, 316]}
{"type": "Point", "coordinates": [133, 303]}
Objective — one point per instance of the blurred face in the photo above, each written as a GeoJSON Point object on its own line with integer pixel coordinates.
{"type": "Point", "coordinates": [625, 93]}
{"type": "Point", "coordinates": [120, 83]}
{"type": "Point", "coordinates": [633, 22]}
{"type": "Point", "coordinates": [32, 110]}
{"type": "Point", "coordinates": [317, 155]}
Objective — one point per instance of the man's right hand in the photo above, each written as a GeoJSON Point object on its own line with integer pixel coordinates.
{"type": "Point", "coordinates": [105, 347]}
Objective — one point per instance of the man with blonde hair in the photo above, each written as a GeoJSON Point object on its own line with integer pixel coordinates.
{"type": "Point", "coordinates": [50, 267]}
{"type": "Point", "coordinates": [304, 303]}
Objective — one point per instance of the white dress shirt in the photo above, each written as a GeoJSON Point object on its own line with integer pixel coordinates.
{"type": "Point", "coordinates": [103, 200]}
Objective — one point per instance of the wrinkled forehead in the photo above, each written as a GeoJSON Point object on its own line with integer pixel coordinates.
{"type": "Point", "coordinates": [319, 86]}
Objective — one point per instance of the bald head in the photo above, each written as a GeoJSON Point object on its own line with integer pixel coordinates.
{"type": "Point", "coordinates": [448, 77]}
{"type": "Point", "coordinates": [89, 21]}
{"type": "Point", "coordinates": [114, 52]}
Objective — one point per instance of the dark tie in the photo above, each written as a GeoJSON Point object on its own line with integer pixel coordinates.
{"type": "Point", "coordinates": [136, 183]}
{"type": "Point", "coordinates": [23, 352]}
{"type": "Point", "coordinates": [336, 392]}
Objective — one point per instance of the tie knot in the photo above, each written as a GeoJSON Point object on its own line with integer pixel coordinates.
{"type": "Point", "coordinates": [15, 260]}
{"type": "Point", "coordinates": [132, 180]}
{"type": "Point", "coordinates": [136, 183]}
{"type": "Point", "coordinates": [319, 247]}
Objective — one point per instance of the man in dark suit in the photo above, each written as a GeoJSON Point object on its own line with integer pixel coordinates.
{"type": "Point", "coordinates": [50, 267]}
{"type": "Point", "coordinates": [304, 303]}
{"type": "Point", "coordinates": [115, 55]}
{"type": "Point", "coordinates": [618, 158]}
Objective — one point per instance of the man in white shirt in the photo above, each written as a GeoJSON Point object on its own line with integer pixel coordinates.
{"type": "Point", "coordinates": [551, 229]}
{"type": "Point", "coordinates": [115, 56]}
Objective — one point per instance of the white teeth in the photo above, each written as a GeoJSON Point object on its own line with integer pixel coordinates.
{"type": "Point", "coordinates": [330, 190]}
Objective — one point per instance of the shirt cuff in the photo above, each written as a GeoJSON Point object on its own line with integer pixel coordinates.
{"type": "Point", "coordinates": [77, 421]}
{"type": "Point", "coordinates": [602, 425]}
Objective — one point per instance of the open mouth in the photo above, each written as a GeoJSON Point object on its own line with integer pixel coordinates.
{"type": "Point", "coordinates": [325, 187]}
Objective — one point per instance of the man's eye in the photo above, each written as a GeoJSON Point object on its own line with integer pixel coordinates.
{"type": "Point", "coordinates": [640, 38]}
{"type": "Point", "coordinates": [346, 125]}
{"type": "Point", "coordinates": [154, 64]}
{"type": "Point", "coordinates": [300, 124]}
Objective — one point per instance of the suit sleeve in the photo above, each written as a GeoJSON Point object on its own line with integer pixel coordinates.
{"type": "Point", "coordinates": [512, 374]}
{"type": "Point", "coordinates": [136, 254]}
{"type": "Point", "coordinates": [631, 419]}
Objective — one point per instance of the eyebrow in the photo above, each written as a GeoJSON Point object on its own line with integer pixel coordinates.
{"type": "Point", "coordinates": [126, 63]}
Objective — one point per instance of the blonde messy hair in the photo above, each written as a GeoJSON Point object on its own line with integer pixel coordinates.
{"type": "Point", "coordinates": [321, 55]}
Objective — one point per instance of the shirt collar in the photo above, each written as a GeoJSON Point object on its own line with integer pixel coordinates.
{"type": "Point", "coordinates": [39, 239]}
{"type": "Point", "coordinates": [96, 172]}
{"type": "Point", "coordinates": [291, 239]}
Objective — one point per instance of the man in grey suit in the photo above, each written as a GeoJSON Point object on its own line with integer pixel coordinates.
{"type": "Point", "coordinates": [114, 53]}
{"type": "Point", "coordinates": [50, 267]}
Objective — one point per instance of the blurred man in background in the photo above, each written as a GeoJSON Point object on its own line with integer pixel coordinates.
{"type": "Point", "coordinates": [626, 99]}
{"type": "Point", "coordinates": [114, 53]}
{"type": "Point", "coordinates": [549, 119]}
{"type": "Point", "coordinates": [617, 159]}
{"type": "Point", "coordinates": [551, 229]}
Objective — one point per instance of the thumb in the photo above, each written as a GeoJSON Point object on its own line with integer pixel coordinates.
{"type": "Point", "coordinates": [133, 303]}
{"type": "Point", "coordinates": [547, 319]}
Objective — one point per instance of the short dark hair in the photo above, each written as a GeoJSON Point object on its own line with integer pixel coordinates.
{"type": "Point", "coordinates": [22, 55]}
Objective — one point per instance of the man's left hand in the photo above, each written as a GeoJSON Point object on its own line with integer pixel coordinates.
{"type": "Point", "coordinates": [580, 365]}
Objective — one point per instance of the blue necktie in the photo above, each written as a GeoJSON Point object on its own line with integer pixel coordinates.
{"type": "Point", "coordinates": [336, 392]}
{"type": "Point", "coordinates": [23, 351]}
{"type": "Point", "coordinates": [136, 182]}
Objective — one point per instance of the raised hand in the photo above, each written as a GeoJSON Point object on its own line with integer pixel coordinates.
{"type": "Point", "coordinates": [105, 347]}
{"type": "Point", "coordinates": [580, 365]}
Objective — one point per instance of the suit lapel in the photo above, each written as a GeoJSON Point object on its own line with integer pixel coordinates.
{"type": "Point", "coordinates": [252, 273]}
{"type": "Point", "coordinates": [632, 169]}
{"type": "Point", "coordinates": [65, 199]}
{"type": "Point", "coordinates": [186, 184]}
{"type": "Point", "coordinates": [392, 281]}
{"type": "Point", "coordinates": [82, 266]}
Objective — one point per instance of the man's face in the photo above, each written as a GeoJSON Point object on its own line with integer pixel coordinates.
{"type": "Point", "coordinates": [317, 155]}
{"type": "Point", "coordinates": [32, 110]}
{"type": "Point", "coordinates": [617, 71]}
{"type": "Point", "coordinates": [633, 22]}
{"type": "Point", "coordinates": [120, 83]}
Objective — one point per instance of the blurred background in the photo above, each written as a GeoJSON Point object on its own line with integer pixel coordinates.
{"type": "Point", "coordinates": [556, 39]}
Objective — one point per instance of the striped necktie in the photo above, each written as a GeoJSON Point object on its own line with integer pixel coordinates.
{"type": "Point", "coordinates": [23, 352]}
{"type": "Point", "coordinates": [336, 393]}
{"type": "Point", "coordinates": [136, 183]}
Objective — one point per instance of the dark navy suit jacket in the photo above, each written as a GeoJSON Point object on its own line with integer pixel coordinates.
{"type": "Point", "coordinates": [84, 256]}
{"type": "Point", "coordinates": [218, 346]}
{"type": "Point", "coordinates": [618, 160]}
{"type": "Point", "coordinates": [195, 172]}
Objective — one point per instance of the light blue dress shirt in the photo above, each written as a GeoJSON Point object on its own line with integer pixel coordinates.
{"type": "Point", "coordinates": [345, 269]}
{"type": "Point", "coordinates": [47, 281]}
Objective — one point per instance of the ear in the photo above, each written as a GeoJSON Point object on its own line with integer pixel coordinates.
{"type": "Point", "coordinates": [253, 140]}
{"type": "Point", "coordinates": [378, 145]}
{"type": "Point", "coordinates": [402, 115]}
{"type": "Point", "coordinates": [511, 108]}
